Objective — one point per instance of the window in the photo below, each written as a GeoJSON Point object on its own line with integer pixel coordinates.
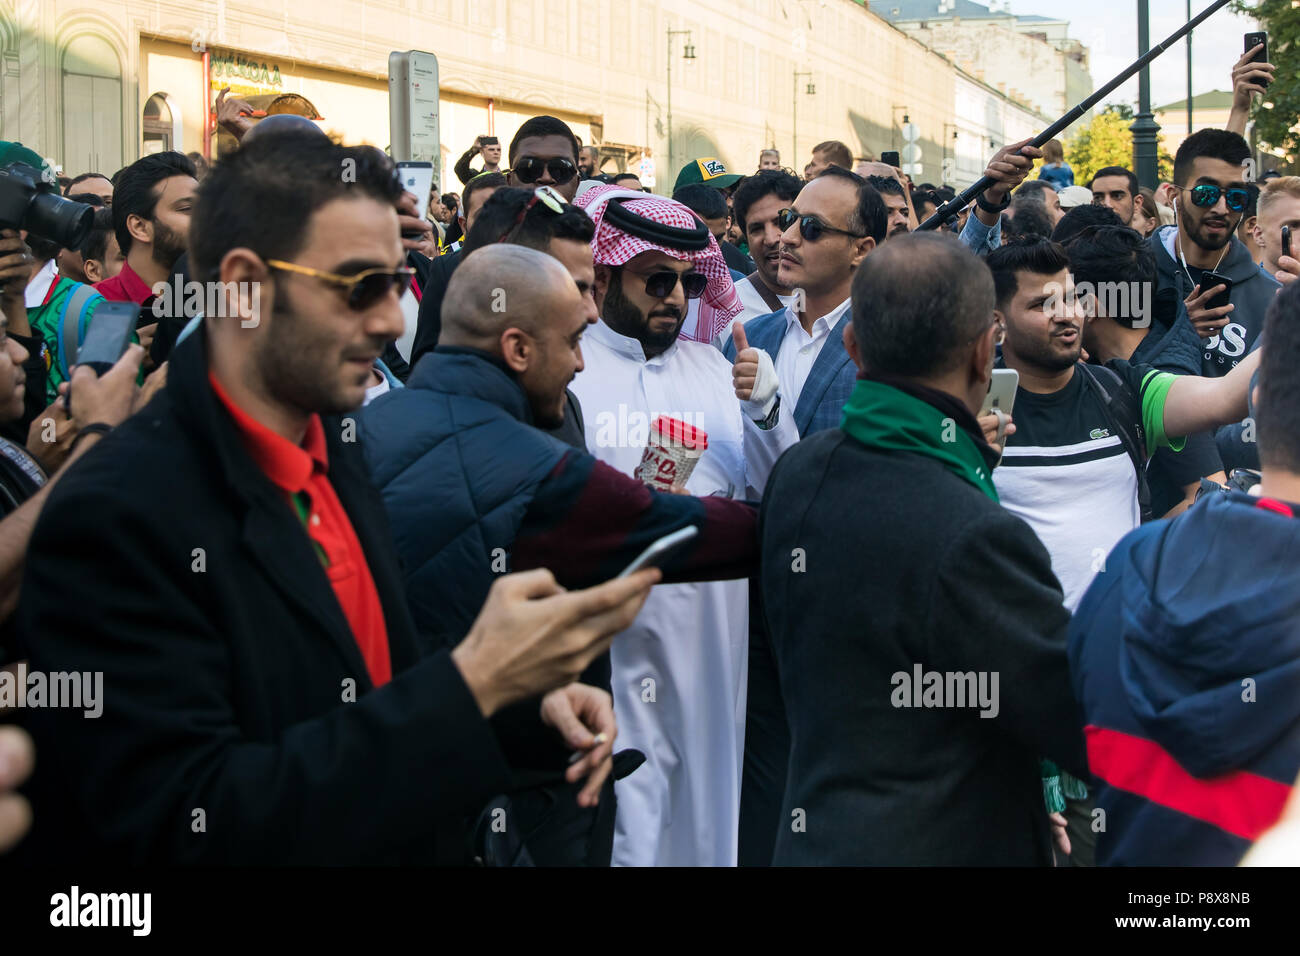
{"type": "Point", "coordinates": [159, 126]}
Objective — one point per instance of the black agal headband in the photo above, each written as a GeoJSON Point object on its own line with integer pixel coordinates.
{"type": "Point", "coordinates": [674, 237]}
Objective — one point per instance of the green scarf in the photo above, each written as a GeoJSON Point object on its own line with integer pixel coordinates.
{"type": "Point", "coordinates": [881, 416]}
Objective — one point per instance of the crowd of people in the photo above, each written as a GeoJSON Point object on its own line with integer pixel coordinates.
{"type": "Point", "coordinates": [341, 561]}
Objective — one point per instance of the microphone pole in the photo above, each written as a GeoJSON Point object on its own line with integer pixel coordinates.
{"type": "Point", "coordinates": [964, 198]}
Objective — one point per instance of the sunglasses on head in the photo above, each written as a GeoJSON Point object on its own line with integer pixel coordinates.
{"type": "Point", "coordinates": [810, 227]}
{"type": "Point", "coordinates": [363, 289]}
{"type": "Point", "coordinates": [530, 169]}
{"type": "Point", "coordinates": [545, 195]}
{"type": "Point", "coordinates": [1207, 194]}
{"type": "Point", "coordinates": [660, 285]}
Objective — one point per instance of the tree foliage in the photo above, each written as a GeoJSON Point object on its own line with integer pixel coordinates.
{"type": "Point", "coordinates": [1275, 124]}
{"type": "Point", "coordinates": [1106, 141]}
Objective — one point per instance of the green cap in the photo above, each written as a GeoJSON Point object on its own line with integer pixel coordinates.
{"type": "Point", "coordinates": [709, 171]}
{"type": "Point", "coordinates": [18, 153]}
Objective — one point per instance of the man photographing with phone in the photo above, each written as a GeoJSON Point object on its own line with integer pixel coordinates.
{"type": "Point", "coordinates": [490, 147]}
{"type": "Point", "coordinates": [1199, 259]}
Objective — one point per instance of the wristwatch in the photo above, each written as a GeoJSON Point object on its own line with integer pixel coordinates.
{"type": "Point", "coordinates": [989, 207]}
{"type": "Point", "coordinates": [774, 416]}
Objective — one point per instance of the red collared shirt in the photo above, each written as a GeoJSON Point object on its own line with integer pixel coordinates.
{"type": "Point", "coordinates": [126, 286]}
{"type": "Point", "coordinates": [301, 472]}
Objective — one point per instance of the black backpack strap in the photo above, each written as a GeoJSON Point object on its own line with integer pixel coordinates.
{"type": "Point", "coordinates": [1124, 410]}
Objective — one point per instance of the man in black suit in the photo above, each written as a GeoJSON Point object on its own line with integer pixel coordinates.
{"type": "Point", "coordinates": [266, 697]}
{"type": "Point", "coordinates": [923, 679]}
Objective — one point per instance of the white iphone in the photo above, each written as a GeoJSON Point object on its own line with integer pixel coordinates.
{"type": "Point", "coordinates": [418, 178]}
{"type": "Point", "coordinates": [1002, 391]}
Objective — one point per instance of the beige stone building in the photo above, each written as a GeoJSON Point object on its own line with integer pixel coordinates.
{"type": "Point", "coordinates": [1031, 58]}
{"type": "Point", "coordinates": [1209, 110]}
{"type": "Point", "coordinates": [94, 85]}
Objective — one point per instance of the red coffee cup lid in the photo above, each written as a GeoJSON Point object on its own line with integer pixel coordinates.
{"type": "Point", "coordinates": [678, 431]}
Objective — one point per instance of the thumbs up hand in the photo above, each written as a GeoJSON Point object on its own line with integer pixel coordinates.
{"type": "Point", "coordinates": [753, 375]}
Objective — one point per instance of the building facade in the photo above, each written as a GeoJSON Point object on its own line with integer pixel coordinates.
{"type": "Point", "coordinates": [1030, 58]}
{"type": "Point", "coordinates": [93, 86]}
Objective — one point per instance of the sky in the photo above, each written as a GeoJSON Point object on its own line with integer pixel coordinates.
{"type": "Point", "coordinates": [1110, 32]}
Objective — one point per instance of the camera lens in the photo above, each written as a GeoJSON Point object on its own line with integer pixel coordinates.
{"type": "Point", "coordinates": [59, 220]}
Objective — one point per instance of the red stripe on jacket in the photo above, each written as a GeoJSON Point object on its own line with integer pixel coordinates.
{"type": "Point", "coordinates": [1241, 803]}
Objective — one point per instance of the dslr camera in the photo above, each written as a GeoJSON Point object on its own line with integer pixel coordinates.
{"type": "Point", "coordinates": [29, 202]}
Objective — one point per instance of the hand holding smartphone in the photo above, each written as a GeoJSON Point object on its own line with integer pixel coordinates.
{"type": "Point", "coordinates": [1253, 40]}
{"type": "Point", "coordinates": [107, 337]}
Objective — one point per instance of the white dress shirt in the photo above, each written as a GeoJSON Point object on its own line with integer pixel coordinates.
{"type": "Point", "coordinates": [679, 672]}
{"type": "Point", "coordinates": [799, 350]}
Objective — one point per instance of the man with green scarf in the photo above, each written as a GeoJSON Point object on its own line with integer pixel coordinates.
{"type": "Point", "coordinates": [916, 628]}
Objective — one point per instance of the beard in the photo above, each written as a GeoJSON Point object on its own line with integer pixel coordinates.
{"type": "Point", "coordinates": [1194, 228]}
{"type": "Point", "coordinates": [625, 318]}
{"type": "Point", "coordinates": [1046, 356]}
{"type": "Point", "coordinates": [305, 373]}
{"type": "Point", "coordinates": [168, 245]}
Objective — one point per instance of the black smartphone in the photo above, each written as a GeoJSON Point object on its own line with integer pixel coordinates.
{"type": "Point", "coordinates": [489, 141]}
{"type": "Point", "coordinates": [1253, 40]}
{"type": "Point", "coordinates": [1286, 240]}
{"type": "Point", "coordinates": [890, 158]}
{"type": "Point", "coordinates": [1211, 279]}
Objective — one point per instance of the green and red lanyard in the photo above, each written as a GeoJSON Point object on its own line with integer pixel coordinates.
{"type": "Point", "coordinates": [302, 504]}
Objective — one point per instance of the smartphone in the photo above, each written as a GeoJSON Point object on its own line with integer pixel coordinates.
{"type": "Point", "coordinates": [417, 178]}
{"type": "Point", "coordinates": [1253, 40]}
{"type": "Point", "coordinates": [489, 141]}
{"type": "Point", "coordinates": [1002, 390]}
{"type": "Point", "coordinates": [890, 158]}
{"type": "Point", "coordinates": [1286, 240]}
{"type": "Point", "coordinates": [1211, 279]}
{"type": "Point", "coordinates": [108, 335]}
{"type": "Point", "coordinates": [659, 551]}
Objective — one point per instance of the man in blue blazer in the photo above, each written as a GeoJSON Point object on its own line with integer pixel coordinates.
{"type": "Point", "coordinates": [833, 225]}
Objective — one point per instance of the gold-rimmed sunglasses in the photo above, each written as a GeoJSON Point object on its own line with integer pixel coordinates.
{"type": "Point", "coordinates": [364, 289]}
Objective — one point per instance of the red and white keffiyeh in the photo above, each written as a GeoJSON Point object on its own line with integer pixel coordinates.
{"type": "Point", "coordinates": [614, 247]}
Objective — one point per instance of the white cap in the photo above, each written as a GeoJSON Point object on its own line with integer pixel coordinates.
{"type": "Point", "coordinates": [1072, 196]}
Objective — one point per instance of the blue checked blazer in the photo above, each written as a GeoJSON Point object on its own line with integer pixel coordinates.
{"type": "Point", "coordinates": [830, 382]}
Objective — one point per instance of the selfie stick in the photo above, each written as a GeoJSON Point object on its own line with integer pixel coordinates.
{"type": "Point", "coordinates": [959, 202]}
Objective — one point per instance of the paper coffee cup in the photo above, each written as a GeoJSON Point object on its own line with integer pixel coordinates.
{"type": "Point", "coordinates": [671, 452]}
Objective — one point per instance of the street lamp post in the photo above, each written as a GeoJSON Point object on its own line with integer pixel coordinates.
{"type": "Point", "coordinates": [1144, 126]}
{"type": "Point", "coordinates": [687, 54]}
{"type": "Point", "coordinates": [794, 118]}
{"type": "Point", "coordinates": [1189, 71]}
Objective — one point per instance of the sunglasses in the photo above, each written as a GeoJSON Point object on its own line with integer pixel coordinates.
{"type": "Point", "coordinates": [810, 227]}
{"type": "Point", "coordinates": [660, 285]}
{"type": "Point", "coordinates": [530, 169]}
{"type": "Point", "coordinates": [363, 289]}
{"type": "Point", "coordinates": [1207, 194]}
{"type": "Point", "coordinates": [545, 195]}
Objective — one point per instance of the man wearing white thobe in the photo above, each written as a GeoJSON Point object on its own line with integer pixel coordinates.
{"type": "Point", "coordinates": [679, 672]}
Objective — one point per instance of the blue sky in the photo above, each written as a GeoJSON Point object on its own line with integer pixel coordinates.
{"type": "Point", "coordinates": [1110, 31]}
